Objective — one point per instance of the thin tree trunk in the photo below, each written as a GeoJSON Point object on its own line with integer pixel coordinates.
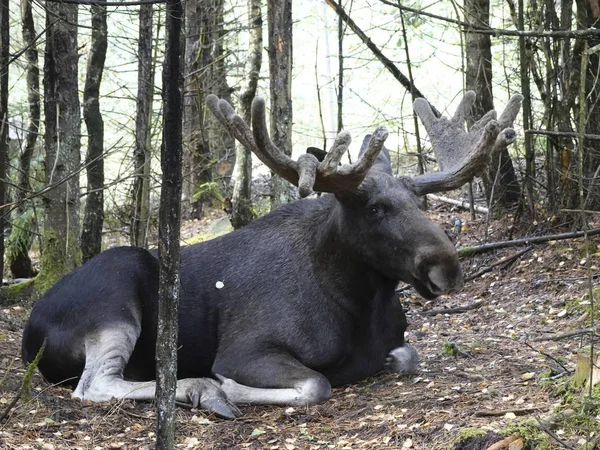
{"type": "Point", "coordinates": [201, 78]}
{"type": "Point", "coordinates": [169, 226]}
{"type": "Point", "coordinates": [340, 89]}
{"type": "Point", "coordinates": [279, 14]}
{"type": "Point", "coordinates": [143, 121]}
{"type": "Point", "coordinates": [526, 91]}
{"type": "Point", "coordinates": [93, 219]}
{"type": "Point", "coordinates": [224, 147]}
{"type": "Point", "coordinates": [61, 250]}
{"type": "Point", "coordinates": [242, 213]}
{"type": "Point", "coordinates": [20, 263]}
{"type": "Point", "coordinates": [4, 59]}
{"type": "Point", "coordinates": [591, 149]}
{"type": "Point", "coordinates": [479, 79]}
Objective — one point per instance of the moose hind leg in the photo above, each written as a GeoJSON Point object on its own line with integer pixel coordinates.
{"type": "Point", "coordinates": [274, 379]}
{"type": "Point", "coordinates": [107, 354]}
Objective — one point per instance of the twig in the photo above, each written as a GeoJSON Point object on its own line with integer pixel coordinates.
{"type": "Point", "coordinates": [547, 356]}
{"type": "Point", "coordinates": [552, 434]}
{"type": "Point", "coordinates": [460, 203]}
{"type": "Point", "coordinates": [502, 412]}
{"type": "Point", "coordinates": [11, 406]}
{"type": "Point", "coordinates": [457, 310]}
{"type": "Point", "coordinates": [566, 335]}
{"type": "Point", "coordinates": [504, 261]}
{"type": "Point", "coordinates": [475, 250]}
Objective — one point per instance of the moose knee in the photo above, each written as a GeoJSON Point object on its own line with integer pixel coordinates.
{"type": "Point", "coordinates": [314, 390]}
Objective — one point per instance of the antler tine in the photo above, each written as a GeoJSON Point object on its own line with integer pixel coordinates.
{"type": "Point", "coordinates": [268, 152]}
{"type": "Point", "coordinates": [362, 166]}
{"type": "Point", "coordinates": [335, 153]}
{"type": "Point", "coordinates": [227, 116]}
{"type": "Point", "coordinates": [463, 155]}
{"type": "Point", "coordinates": [464, 108]}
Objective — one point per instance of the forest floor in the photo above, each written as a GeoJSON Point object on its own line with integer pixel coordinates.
{"type": "Point", "coordinates": [494, 369]}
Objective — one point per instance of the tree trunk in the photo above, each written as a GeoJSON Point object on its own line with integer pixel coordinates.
{"type": "Point", "coordinates": [93, 219]}
{"type": "Point", "coordinates": [201, 78]}
{"type": "Point", "coordinates": [143, 121]}
{"type": "Point", "coordinates": [280, 74]}
{"type": "Point", "coordinates": [242, 213]}
{"type": "Point", "coordinates": [479, 79]}
{"type": "Point", "coordinates": [61, 250]}
{"type": "Point", "coordinates": [4, 59]}
{"type": "Point", "coordinates": [591, 149]}
{"type": "Point", "coordinates": [223, 143]}
{"type": "Point", "coordinates": [169, 226]}
{"type": "Point", "coordinates": [19, 261]}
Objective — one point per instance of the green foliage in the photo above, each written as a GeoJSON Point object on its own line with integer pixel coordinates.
{"type": "Point", "coordinates": [26, 385]}
{"type": "Point", "coordinates": [533, 437]}
{"type": "Point", "coordinates": [207, 192]}
{"type": "Point", "coordinates": [21, 236]}
{"type": "Point", "coordinates": [449, 349]}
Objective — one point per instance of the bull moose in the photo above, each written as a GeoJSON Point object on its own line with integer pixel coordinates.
{"type": "Point", "coordinates": [278, 312]}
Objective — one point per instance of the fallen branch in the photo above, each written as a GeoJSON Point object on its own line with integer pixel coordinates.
{"type": "Point", "coordinates": [457, 310]}
{"type": "Point", "coordinates": [552, 434]}
{"type": "Point", "coordinates": [475, 250]}
{"type": "Point", "coordinates": [547, 355]}
{"type": "Point", "coordinates": [460, 203]}
{"type": "Point", "coordinates": [503, 412]}
{"type": "Point", "coordinates": [504, 261]}
{"type": "Point", "coordinates": [505, 443]}
{"type": "Point", "coordinates": [558, 337]}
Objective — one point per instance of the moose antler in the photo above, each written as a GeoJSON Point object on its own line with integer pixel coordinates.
{"type": "Point", "coordinates": [307, 173]}
{"type": "Point", "coordinates": [462, 155]}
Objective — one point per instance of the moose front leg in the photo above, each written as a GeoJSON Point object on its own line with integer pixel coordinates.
{"type": "Point", "coordinates": [273, 379]}
{"type": "Point", "coordinates": [403, 360]}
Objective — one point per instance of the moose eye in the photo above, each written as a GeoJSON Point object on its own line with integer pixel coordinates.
{"type": "Point", "coordinates": [373, 210]}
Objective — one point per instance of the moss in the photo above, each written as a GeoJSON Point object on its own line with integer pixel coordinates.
{"type": "Point", "coordinates": [467, 433]}
{"type": "Point", "coordinates": [533, 437]}
{"type": "Point", "coordinates": [59, 257]}
{"type": "Point", "coordinates": [22, 292]}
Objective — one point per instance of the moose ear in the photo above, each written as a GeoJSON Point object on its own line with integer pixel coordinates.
{"type": "Point", "coordinates": [383, 163]}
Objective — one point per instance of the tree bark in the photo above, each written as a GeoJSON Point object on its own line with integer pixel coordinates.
{"type": "Point", "coordinates": [142, 153]}
{"type": "Point", "coordinates": [478, 78]}
{"type": "Point", "coordinates": [61, 250]}
{"type": "Point", "coordinates": [169, 226]}
{"type": "Point", "coordinates": [19, 262]}
{"type": "Point", "coordinates": [4, 60]}
{"type": "Point", "coordinates": [280, 72]}
{"type": "Point", "coordinates": [591, 149]}
{"type": "Point", "coordinates": [224, 143]}
{"type": "Point", "coordinates": [201, 37]}
{"type": "Point", "coordinates": [242, 213]}
{"type": "Point", "coordinates": [93, 219]}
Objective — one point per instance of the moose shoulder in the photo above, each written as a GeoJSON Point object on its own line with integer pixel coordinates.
{"type": "Point", "coordinates": [280, 311]}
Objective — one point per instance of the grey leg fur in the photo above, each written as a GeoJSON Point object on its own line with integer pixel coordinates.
{"type": "Point", "coordinates": [308, 392]}
{"type": "Point", "coordinates": [403, 359]}
{"type": "Point", "coordinates": [107, 353]}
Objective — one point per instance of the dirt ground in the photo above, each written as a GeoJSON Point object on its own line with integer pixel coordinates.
{"type": "Point", "coordinates": [491, 368]}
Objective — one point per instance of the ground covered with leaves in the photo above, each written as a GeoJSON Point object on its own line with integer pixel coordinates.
{"type": "Point", "coordinates": [497, 375]}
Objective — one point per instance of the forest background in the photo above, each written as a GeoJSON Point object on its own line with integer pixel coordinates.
{"type": "Point", "coordinates": [94, 173]}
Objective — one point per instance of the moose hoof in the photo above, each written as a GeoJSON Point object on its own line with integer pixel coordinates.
{"type": "Point", "coordinates": [403, 359]}
{"type": "Point", "coordinates": [207, 394]}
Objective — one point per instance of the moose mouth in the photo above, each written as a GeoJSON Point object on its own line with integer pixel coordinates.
{"type": "Point", "coordinates": [424, 289]}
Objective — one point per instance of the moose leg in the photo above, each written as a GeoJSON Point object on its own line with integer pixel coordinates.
{"type": "Point", "coordinates": [275, 379]}
{"type": "Point", "coordinates": [404, 359]}
{"type": "Point", "coordinates": [106, 355]}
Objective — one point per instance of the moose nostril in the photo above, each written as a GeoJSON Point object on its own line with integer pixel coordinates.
{"type": "Point", "coordinates": [443, 281]}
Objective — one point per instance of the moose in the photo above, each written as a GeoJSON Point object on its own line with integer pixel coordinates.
{"type": "Point", "coordinates": [297, 302]}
